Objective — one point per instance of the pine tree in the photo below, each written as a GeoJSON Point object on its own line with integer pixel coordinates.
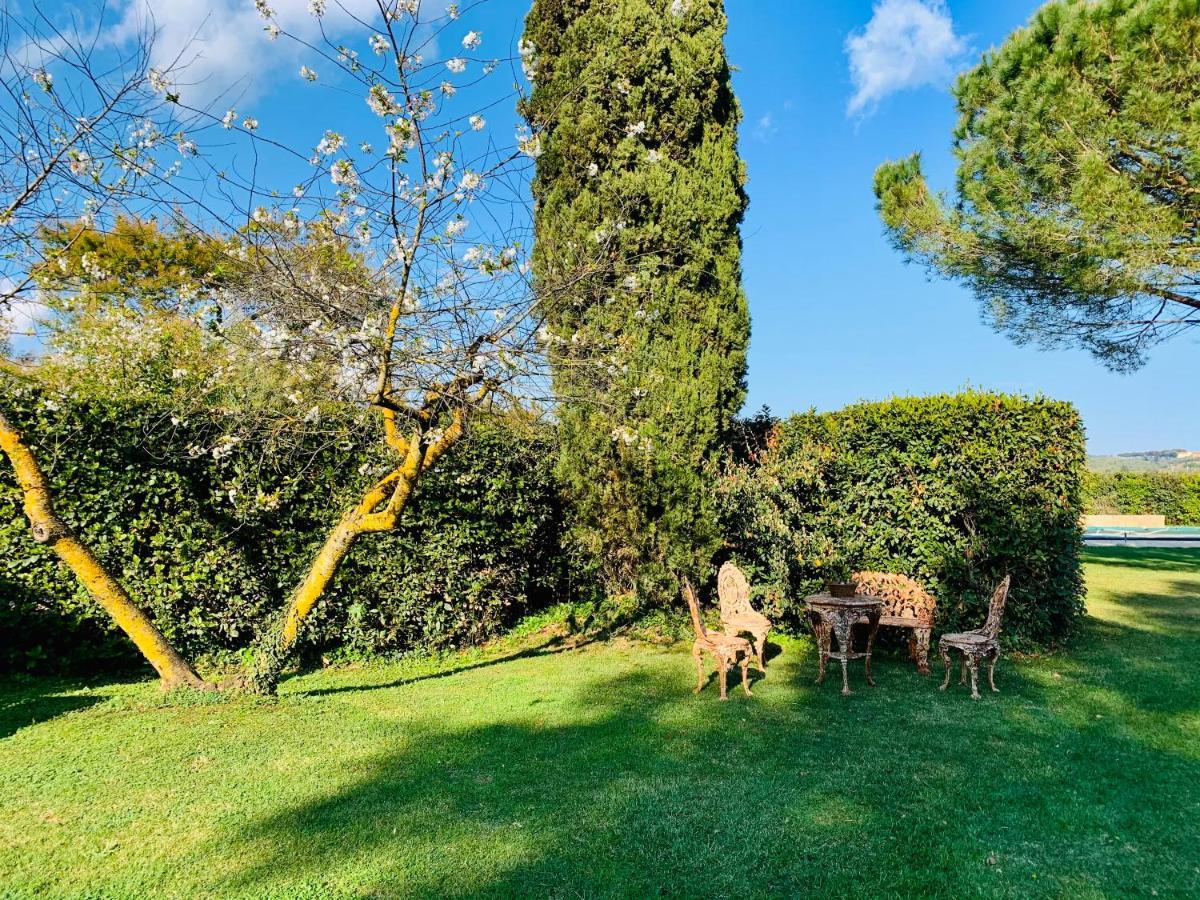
{"type": "Point", "coordinates": [1075, 218]}
{"type": "Point", "coordinates": [639, 180]}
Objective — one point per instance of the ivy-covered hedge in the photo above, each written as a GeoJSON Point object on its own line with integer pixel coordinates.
{"type": "Point", "coordinates": [1170, 494]}
{"type": "Point", "coordinates": [212, 546]}
{"type": "Point", "coordinates": [955, 490]}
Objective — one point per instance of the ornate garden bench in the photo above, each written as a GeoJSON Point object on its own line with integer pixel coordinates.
{"type": "Point", "coordinates": [906, 604]}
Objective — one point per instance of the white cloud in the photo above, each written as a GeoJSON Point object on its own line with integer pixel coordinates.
{"type": "Point", "coordinates": [907, 44]}
{"type": "Point", "coordinates": [222, 45]}
{"type": "Point", "coordinates": [765, 127]}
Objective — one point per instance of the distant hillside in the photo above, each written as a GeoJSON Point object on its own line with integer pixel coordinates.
{"type": "Point", "coordinates": [1147, 461]}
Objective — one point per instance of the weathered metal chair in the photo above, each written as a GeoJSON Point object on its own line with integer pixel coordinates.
{"type": "Point", "coordinates": [982, 643]}
{"type": "Point", "coordinates": [726, 649]}
{"type": "Point", "coordinates": [737, 615]}
{"type": "Point", "coordinates": [906, 604]}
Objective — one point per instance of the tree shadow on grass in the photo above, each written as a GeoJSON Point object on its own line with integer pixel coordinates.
{"type": "Point", "coordinates": [637, 788]}
{"type": "Point", "coordinates": [558, 644]}
{"type": "Point", "coordinates": [24, 704]}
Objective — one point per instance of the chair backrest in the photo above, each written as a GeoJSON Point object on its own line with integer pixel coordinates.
{"type": "Point", "coordinates": [734, 591]}
{"type": "Point", "coordinates": [694, 608]}
{"type": "Point", "coordinates": [996, 608]}
{"type": "Point", "coordinates": [903, 597]}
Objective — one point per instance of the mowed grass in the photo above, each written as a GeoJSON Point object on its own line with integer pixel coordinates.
{"type": "Point", "coordinates": [530, 770]}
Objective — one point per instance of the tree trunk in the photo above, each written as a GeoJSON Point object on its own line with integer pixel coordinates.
{"type": "Point", "coordinates": [276, 647]}
{"type": "Point", "coordinates": [52, 531]}
{"type": "Point", "coordinates": [273, 652]}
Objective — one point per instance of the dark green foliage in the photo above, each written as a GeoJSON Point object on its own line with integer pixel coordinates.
{"type": "Point", "coordinates": [640, 183]}
{"type": "Point", "coordinates": [954, 490]}
{"type": "Point", "coordinates": [1176, 496]}
{"type": "Point", "coordinates": [479, 546]}
{"type": "Point", "coordinates": [1076, 215]}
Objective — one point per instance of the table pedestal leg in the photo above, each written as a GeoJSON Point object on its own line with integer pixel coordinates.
{"type": "Point", "coordinates": [873, 618]}
{"type": "Point", "coordinates": [841, 627]}
{"type": "Point", "coordinates": [821, 633]}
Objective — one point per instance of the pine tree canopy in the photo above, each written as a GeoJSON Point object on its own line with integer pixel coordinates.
{"type": "Point", "coordinates": [1076, 219]}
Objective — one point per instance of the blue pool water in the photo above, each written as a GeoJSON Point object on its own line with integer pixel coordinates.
{"type": "Point", "coordinates": [1170, 536]}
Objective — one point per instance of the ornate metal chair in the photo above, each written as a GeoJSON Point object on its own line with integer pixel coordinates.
{"type": "Point", "coordinates": [737, 615]}
{"type": "Point", "coordinates": [906, 604]}
{"type": "Point", "coordinates": [982, 643]}
{"type": "Point", "coordinates": [726, 649]}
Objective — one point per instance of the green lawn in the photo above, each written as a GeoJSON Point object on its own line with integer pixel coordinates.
{"type": "Point", "coordinates": [532, 771]}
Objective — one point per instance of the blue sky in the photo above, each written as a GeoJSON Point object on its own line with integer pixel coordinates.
{"type": "Point", "coordinates": [837, 315]}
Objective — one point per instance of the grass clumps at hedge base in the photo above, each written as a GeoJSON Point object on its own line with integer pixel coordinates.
{"type": "Point", "coordinates": [955, 490]}
{"type": "Point", "coordinates": [1171, 494]}
{"type": "Point", "coordinates": [209, 544]}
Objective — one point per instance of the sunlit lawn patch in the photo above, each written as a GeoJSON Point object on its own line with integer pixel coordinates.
{"type": "Point", "coordinates": [532, 770]}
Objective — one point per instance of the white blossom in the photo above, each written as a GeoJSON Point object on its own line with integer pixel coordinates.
{"type": "Point", "coordinates": [158, 81]}
{"type": "Point", "coordinates": [43, 79]}
{"type": "Point", "coordinates": [470, 181]}
{"type": "Point", "coordinates": [264, 10]}
{"type": "Point", "coordinates": [531, 146]}
{"type": "Point", "coordinates": [457, 65]}
{"type": "Point", "coordinates": [78, 165]}
{"type": "Point", "coordinates": [381, 101]}
{"type": "Point", "coordinates": [680, 7]}
{"type": "Point", "coordinates": [478, 123]}
{"type": "Point", "coordinates": [653, 156]}
{"type": "Point", "coordinates": [448, 89]}
{"type": "Point", "coordinates": [330, 144]}
{"type": "Point", "coordinates": [307, 74]}
{"type": "Point", "coordinates": [316, 7]}
{"type": "Point", "coordinates": [379, 44]}
{"type": "Point", "coordinates": [635, 128]}
{"type": "Point", "coordinates": [229, 118]}
{"type": "Point", "coordinates": [472, 40]}
{"type": "Point", "coordinates": [250, 123]}
{"type": "Point", "coordinates": [456, 227]}
{"type": "Point", "coordinates": [272, 31]}
{"type": "Point", "coordinates": [342, 173]}
{"type": "Point", "coordinates": [593, 170]}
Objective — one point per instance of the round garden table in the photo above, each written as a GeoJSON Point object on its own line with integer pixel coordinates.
{"type": "Point", "coordinates": [837, 615]}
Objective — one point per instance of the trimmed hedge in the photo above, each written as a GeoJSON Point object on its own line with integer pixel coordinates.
{"type": "Point", "coordinates": [212, 547]}
{"type": "Point", "coordinates": [955, 490]}
{"type": "Point", "coordinates": [1171, 494]}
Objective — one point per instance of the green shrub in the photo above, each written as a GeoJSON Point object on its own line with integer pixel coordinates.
{"type": "Point", "coordinates": [212, 546]}
{"type": "Point", "coordinates": [1171, 494]}
{"type": "Point", "coordinates": [955, 490]}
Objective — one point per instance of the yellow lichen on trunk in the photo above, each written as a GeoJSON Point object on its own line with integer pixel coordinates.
{"type": "Point", "coordinates": [378, 510]}
{"type": "Point", "coordinates": [49, 529]}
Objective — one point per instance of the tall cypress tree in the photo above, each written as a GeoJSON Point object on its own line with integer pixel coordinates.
{"type": "Point", "coordinates": [639, 182]}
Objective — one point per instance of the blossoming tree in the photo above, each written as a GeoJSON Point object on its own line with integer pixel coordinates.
{"type": "Point", "coordinates": [73, 142]}
{"type": "Point", "coordinates": [397, 264]}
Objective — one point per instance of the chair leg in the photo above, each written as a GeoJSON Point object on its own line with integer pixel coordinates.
{"type": "Point", "coordinates": [962, 678]}
{"type": "Point", "coordinates": [945, 653]}
{"type": "Point", "coordinates": [992, 670]}
{"type": "Point", "coordinates": [746, 676]}
{"type": "Point", "coordinates": [921, 638]}
{"type": "Point", "coordinates": [698, 655]}
{"type": "Point", "coordinates": [760, 647]}
{"type": "Point", "coordinates": [972, 662]}
{"type": "Point", "coordinates": [724, 679]}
